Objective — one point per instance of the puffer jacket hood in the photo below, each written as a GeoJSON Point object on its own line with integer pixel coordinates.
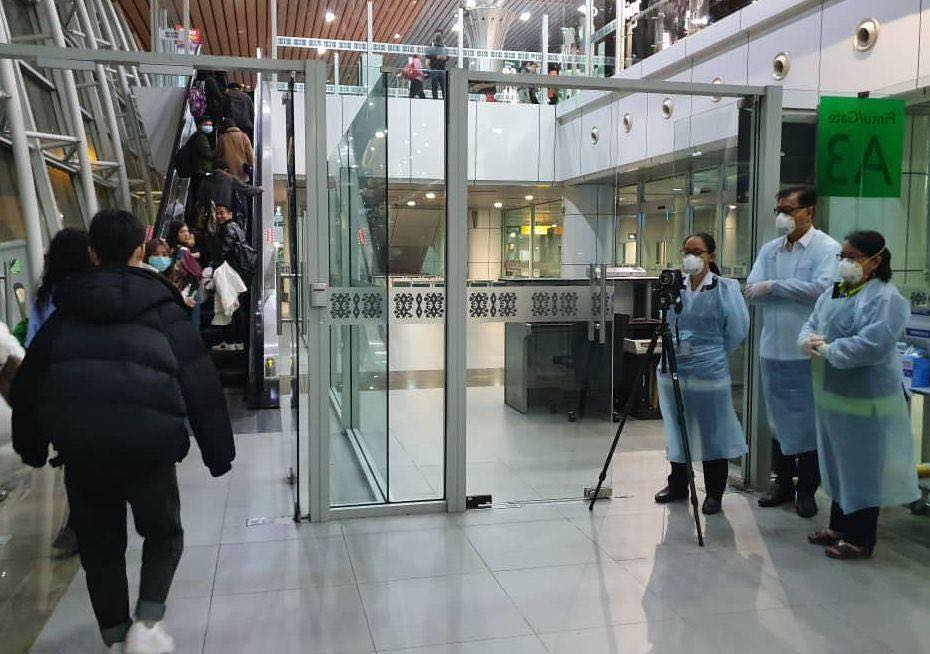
{"type": "Point", "coordinates": [113, 295]}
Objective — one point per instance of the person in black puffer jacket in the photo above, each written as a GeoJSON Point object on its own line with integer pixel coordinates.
{"type": "Point", "coordinates": [112, 380]}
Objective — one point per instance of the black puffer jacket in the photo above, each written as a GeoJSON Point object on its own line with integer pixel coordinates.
{"type": "Point", "coordinates": [115, 373]}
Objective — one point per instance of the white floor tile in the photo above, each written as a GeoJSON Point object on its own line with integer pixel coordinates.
{"type": "Point", "coordinates": [580, 596]}
{"type": "Point", "coordinates": [439, 610]}
{"type": "Point", "coordinates": [406, 554]}
{"type": "Point", "coordinates": [282, 565]}
{"type": "Point", "coordinates": [657, 637]}
{"type": "Point", "coordinates": [898, 623]}
{"type": "Point", "coordinates": [516, 645]}
{"type": "Point", "coordinates": [531, 545]}
{"type": "Point", "coordinates": [307, 620]}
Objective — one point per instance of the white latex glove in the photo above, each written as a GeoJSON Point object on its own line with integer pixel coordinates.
{"type": "Point", "coordinates": [822, 350]}
{"type": "Point", "coordinates": [809, 347]}
{"type": "Point", "coordinates": [760, 289]}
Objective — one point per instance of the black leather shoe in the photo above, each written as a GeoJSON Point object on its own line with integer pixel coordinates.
{"type": "Point", "coordinates": [776, 496]}
{"type": "Point", "coordinates": [805, 506]}
{"type": "Point", "coordinates": [711, 505]}
{"type": "Point", "coordinates": [669, 494]}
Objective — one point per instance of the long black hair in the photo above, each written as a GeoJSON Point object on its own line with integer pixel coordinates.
{"type": "Point", "coordinates": [710, 244]}
{"type": "Point", "coordinates": [67, 255]}
{"type": "Point", "coordinates": [871, 243]}
{"type": "Point", "coordinates": [174, 228]}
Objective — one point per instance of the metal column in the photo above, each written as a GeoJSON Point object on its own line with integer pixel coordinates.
{"type": "Point", "coordinates": [767, 167]}
{"type": "Point", "coordinates": [103, 87]}
{"type": "Point", "coordinates": [186, 11]}
{"type": "Point", "coordinates": [620, 35]}
{"type": "Point", "coordinates": [589, 38]}
{"type": "Point", "coordinates": [544, 68]}
{"type": "Point", "coordinates": [461, 44]}
{"type": "Point", "coordinates": [456, 283]}
{"type": "Point", "coordinates": [317, 272]}
{"type": "Point", "coordinates": [85, 172]}
{"type": "Point", "coordinates": [273, 17]}
{"type": "Point", "coordinates": [25, 182]}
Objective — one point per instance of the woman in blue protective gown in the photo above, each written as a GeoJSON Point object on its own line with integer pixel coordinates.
{"type": "Point", "coordinates": [712, 323]}
{"type": "Point", "coordinates": [863, 426]}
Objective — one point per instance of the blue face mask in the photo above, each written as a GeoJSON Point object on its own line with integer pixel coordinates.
{"type": "Point", "coordinates": [207, 129]}
{"type": "Point", "coordinates": [161, 264]}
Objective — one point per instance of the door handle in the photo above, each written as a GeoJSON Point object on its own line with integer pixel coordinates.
{"type": "Point", "coordinates": [591, 277]}
{"type": "Point", "coordinates": [603, 333]}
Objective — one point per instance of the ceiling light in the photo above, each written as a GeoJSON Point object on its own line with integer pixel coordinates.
{"type": "Point", "coordinates": [470, 4]}
{"type": "Point", "coordinates": [457, 28]}
{"type": "Point", "coordinates": [430, 196]}
{"type": "Point", "coordinates": [525, 16]}
{"type": "Point", "coordinates": [411, 203]}
{"type": "Point", "coordinates": [527, 197]}
{"type": "Point", "coordinates": [677, 190]}
{"type": "Point", "coordinates": [697, 154]}
{"type": "Point", "coordinates": [329, 16]}
{"type": "Point", "coordinates": [321, 50]}
{"type": "Point", "coordinates": [397, 35]}
{"type": "Point", "coordinates": [379, 134]}
{"type": "Point", "coordinates": [498, 205]}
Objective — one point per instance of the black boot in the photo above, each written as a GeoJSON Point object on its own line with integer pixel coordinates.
{"type": "Point", "coordinates": [711, 506]}
{"type": "Point", "coordinates": [806, 506]}
{"type": "Point", "coordinates": [669, 494]}
{"type": "Point", "coordinates": [778, 494]}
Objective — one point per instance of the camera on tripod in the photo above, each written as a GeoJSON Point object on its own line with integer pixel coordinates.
{"type": "Point", "coordinates": [666, 292]}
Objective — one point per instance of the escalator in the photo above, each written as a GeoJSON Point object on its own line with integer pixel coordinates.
{"type": "Point", "coordinates": [250, 369]}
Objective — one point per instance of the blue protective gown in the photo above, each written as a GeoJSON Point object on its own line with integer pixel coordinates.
{"type": "Point", "coordinates": [863, 425]}
{"type": "Point", "coordinates": [800, 276]}
{"type": "Point", "coordinates": [713, 322]}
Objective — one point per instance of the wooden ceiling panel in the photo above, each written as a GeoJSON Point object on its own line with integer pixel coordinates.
{"type": "Point", "coordinates": [238, 27]}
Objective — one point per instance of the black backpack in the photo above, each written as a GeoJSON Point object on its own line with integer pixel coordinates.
{"type": "Point", "coordinates": [184, 159]}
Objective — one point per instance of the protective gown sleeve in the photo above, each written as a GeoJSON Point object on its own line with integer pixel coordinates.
{"type": "Point", "coordinates": [757, 274]}
{"type": "Point", "coordinates": [736, 316]}
{"type": "Point", "coordinates": [824, 262]}
{"type": "Point", "coordinates": [813, 324]}
{"type": "Point", "coordinates": [885, 318]}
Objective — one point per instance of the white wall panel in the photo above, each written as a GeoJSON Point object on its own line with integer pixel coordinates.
{"type": "Point", "coordinates": [923, 65]}
{"type": "Point", "coordinates": [568, 149]}
{"type": "Point", "coordinates": [547, 151]}
{"type": "Point", "coordinates": [601, 155]}
{"type": "Point", "coordinates": [507, 141]}
{"type": "Point", "coordinates": [663, 133]}
{"type": "Point", "coordinates": [800, 39]}
{"type": "Point", "coordinates": [398, 121]}
{"type": "Point", "coordinates": [731, 67]}
{"type": "Point", "coordinates": [427, 139]}
{"type": "Point", "coordinates": [714, 124]}
{"type": "Point", "coordinates": [632, 144]}
{"type": "Point", "coordinates": [892, 60]}
{"type": "Point", "coordinates": [759, 12]}
{"type": "Point", "coordinates": [334, 126]}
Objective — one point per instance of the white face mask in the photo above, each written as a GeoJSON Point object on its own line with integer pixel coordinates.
{"type": "Point", "coordinates": [207, 129]}
{"type": "Point", "coordinates": [692, 264]}
{"type": "Point", "coordinates": [850, 271]}
{"type": "Point", "coordinates": [784, 223]}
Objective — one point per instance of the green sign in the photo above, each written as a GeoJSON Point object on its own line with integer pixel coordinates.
{"type": "Point", "coordinates": [860, 145]}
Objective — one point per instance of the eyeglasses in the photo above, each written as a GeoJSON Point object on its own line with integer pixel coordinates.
{"type": "Point", "coordinates": [852, 257]}
{"type": "Point", "coordinates": [788, 210]}
{"type": "Point", "coordinates": [696, 253]}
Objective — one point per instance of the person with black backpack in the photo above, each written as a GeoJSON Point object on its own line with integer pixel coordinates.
{"type": "Point", "coordinates": [195, 160]}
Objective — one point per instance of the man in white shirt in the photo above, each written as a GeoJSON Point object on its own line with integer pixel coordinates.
{"type": "Point", "coordinates": [789, 274]}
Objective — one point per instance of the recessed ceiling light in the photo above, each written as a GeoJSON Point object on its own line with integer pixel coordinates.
{"type": "Point", "coordinates": [411, 203]}
{"type": "Point", "coordinates": [430, 196]}
{"type": "Point", "coordinates": [525, 16]}
{"type": "Point", "coordinates": [498, 205]}
{"type": "Point", "coordinates": [697, 154]}
{"type": "Point", "coordinates": [396, 35]}
{"type": "Point", "coordinates": [321, 50]}
{"type": "Point", "coordinates": [457, 28]}
{"type": "Point", "coordinates": [379, 134]}
{"type": "Point", "coordinates": [527, 197]}
{"type": "Point", "coordinates": [329, 16]}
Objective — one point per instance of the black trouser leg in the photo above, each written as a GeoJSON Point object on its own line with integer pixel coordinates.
{"type": "Point", "coordinates": [156, 509]}
{"type": "Point", "coordinates": [715, 477]}
{"type": "Point", "coordinates": [98, 513]}
{"type": "Point", "coordinates": [785, 467]}
{"type": "Point", "coordinates": [859, 527]}
{"type": "Point", "coordinates": [808, 473]}
{"type": "Point", "coordinates": [678, 479]}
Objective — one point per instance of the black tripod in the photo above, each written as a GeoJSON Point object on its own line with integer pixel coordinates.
{"type": "Point", "coordinates": [662, 332]}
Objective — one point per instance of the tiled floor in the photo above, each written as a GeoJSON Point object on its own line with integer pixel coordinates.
{"type": "Point", "coordinates": [525, 579]}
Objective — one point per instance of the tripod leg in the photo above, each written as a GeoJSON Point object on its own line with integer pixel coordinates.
{"type": "Point", "coordinates": [627, 407]}
{"type": "Point", "coordinates": [669, 349]}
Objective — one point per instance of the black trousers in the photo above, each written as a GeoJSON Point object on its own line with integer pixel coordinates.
{"type": "Point", "coordinates": [805, 466]}
{"type": "Point", "coordinates": [98, 496]}
{"type": "Point", "coordinates": [859, 527]}
{"type": "Point", "coordinates": [437, 81]}
{"type": "Point", "coordinates": [416, 88]}
{"type": "Point", "coordinates": [715, 477]}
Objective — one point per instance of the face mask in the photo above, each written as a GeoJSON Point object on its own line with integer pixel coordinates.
{"type": "Point", "coordinates": [207, 129]}
{"type": "Point", "coordinates": [851, 271]}
{"type": "Point", "coordinates": [161, 264]}
{"type": "Point", "coordinates": [691, 264]}
{"type": "Point", "coordinates": [784, 223]}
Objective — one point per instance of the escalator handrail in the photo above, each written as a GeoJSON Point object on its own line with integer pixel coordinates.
{"type": "Point", "coordinates": [171, 173]}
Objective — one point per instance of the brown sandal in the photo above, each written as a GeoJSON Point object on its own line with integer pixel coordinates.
{"type": "Point", "coordinates": [825, 537]}
{"type": "Point", "coordinates": [843, 550]}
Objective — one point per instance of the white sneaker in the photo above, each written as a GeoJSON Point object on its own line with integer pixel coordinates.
{"type": "Point", "coordinates": [145, 639]}
{"type": "Point", "coordinates": [116, 648]}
